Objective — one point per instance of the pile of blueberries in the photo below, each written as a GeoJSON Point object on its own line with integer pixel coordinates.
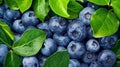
{"type": "Point", "coordinates": [76, 36]}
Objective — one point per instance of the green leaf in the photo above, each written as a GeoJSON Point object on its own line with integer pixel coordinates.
{"type": "Point", "coordinates": [116, 49]}
{"type": "Point", "coordinates": [30, 42]}
{"type": "Point", "coordinates": [7, 30]}
{"type": "Point", "coordinates": [12, 60]}
{"type": "Point", "coordinates": [59, 7]}
{"type": "Point", "coordinates": [24, 4]}
{"type": "Point", "coordinates": [104, 23]}
{"type": "Point", "coordinates": [118, 64]}
{"type": "Point", "coordinates": [100, 2]}
{"type": "Point", "coordinates": [74, 9]}
{"type": "Point", "coordinates": [58, 59]}
{"type": "Point", "coordinates": [116, 6]}
{"type": "Point", "coordinates": [41, 8]}
{"type": "Point", "coordinates": [12, 4]}
{"type": "Point", "coordinates": [1, 1]}
{"type": "Point", "coordinates": [4, 38]}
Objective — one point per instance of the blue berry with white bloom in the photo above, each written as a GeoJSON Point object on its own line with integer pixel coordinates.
{"type": "Point", "coordinates": [74, 63]}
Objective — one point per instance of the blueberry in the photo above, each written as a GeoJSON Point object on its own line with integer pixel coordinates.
{"type": "Point", "coordinates": [89, 57]}
{"type": "Point", "coordinates": [18, 26]}
{"type": "Point", "coordinates": [4, 6]}
{"type": "Point", "coordinates": [60, 48]}
{"type": "Point", "coordinates": [108, 41]}
{"type": "Point", "coordinates": [61, 40]}
{"type": "Point", "coordinates": [92, 45]}
{"type": "Point", "coordinates": [17, 36]}
{"type": "Point", "coordinates": [85, 15]}
{"type": "Point", "coordinates": [75, 49]}
{"type": "Point", "coordinates": [107, 58]}
{"type": "Point", "coordinates": [95, 64]}
{"type": "Point", "coordinates": [44, 26]}
{"type": "Point", "coordinates": [1, 12]}
{"type": "Point", "coordinates": [58, 24]}
{"type": "Point", "coordinates": [92, 5]}
{"type": "Point", "coordinates": [89, 32]}
{"type": "Point", "coordinates": [76, 30]}
{"type": "Point", "coordinates": [84, 65]}
{"type": "Point", "coordinates": [49, 47]}
{"type": "Point", "coordinates": [74, 63]}
{"type": "Point", "coordinates": [29, 18]}
{"type": "Point", "coordinates": [11, 15]}
{"type": "Point", "coordinates": [42, 61]}
{"type": "Point", "coordinates": [3, 52]}
{"type": "Point", "coordinates": [30, 62]}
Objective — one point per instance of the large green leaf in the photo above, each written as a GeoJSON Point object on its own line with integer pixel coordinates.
{"type": "Point", "coordinates": [59, 7]}
{"type": "Point", "coordinates": [116, 49]}
{"type": "Point", "coordinates": [41, 8]}
{"type": "Point", "coordinates": [104, 23]}
{"type": "Point", "coordinates": [100, 2]}
{"type": "Point", "coordinates": [4, 38]}
{"type": "Point", "coordinates": [7, 30]}
{"type": "Point", "coordinates": [118, 64]}
{"type": "Point", "coordinates": [12, 60]}
{"type": "Point", "coordinates": [58, 59]}
{"type": "Point", "coordinates": [116, 6]}
{"type": "Point", "coordinates": [30, 42]}
{"type": "Point", "coordinates": [24, 4]}
{"type": "Point", "coordinates": [12, 4]}
{"type": "Point", "coordinates": [74, 9]}
{"type": "Point", "coordinates": [1, 1]}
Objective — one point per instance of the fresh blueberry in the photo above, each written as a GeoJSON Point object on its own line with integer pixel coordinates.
{"type": "Point", "coordinates": [3, 52]}
{"type": "Point", "coordinates": [61, 40]}
{"type": "Point", "coordinates": [49, 47]}
{"type": "Point", "coordinates": [60, 48]}
{"type": "Point", "coordinates": [1, 12]}
{"type": "Point", "coordinates": [108, 41]}
{"type": "Point", "coordinates": [11, 15]}
{"type": "Point", "coordinates": [17, 36]}
{"type": "Point", "coordinates": [107, 58]}
{"type": "Point", "coordinates": [4, 6]}
{"type": "Point", "coordinates": [76, 30]}
{"type": "Point", "coordinates": [76, 49]}
{"type": "Point", "coordinates": [95, 64]}
{"type": "Point", "coordinates": [29, 18]}
{"type": "Point", "coordinates": [18, 26]}
{"type": "Point", "coordinates": [58, 24]}
{"type": "Point", "coordinates": [44, 26]}
{"type": "Point", "coordinates": [85, 15]}
{"type": "Point", "coordinates": [92, 5]}
{"type": "Point", "coordinates": [42, 61]}
{"type": "Point", "coordinates": [89, 57]}
{"type": "Point", "coordinates": [84, 65]}
{"type": "Point", "coordinates": [92, 45]}
{"type": "Point", "coordinates": [89, 32]}
{"type": "Point", "coordinates": [74, 63]}
{"type": "Point", "coordinates": [30, 62]}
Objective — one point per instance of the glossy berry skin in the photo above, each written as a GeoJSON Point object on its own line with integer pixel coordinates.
{"type": "Point", "coordinates": [18, 26]}
{"type": "Point", "coordinates": [29, 18]}
{"type": "Point", "coordinates": [60, 48]}
{"type": "Point", "coordinates": [61, 40]}
{"type": "Point", "coordinates": [89, 57]}
{"type": "Point", "coordinates": [11, 15]}
{"type": "Point", "coordinates": [44, 26]}
{"type": "Point", "coordinates": [84, 65]}
{"type": "Point", "coordinates": [58, 25]}
{"type": "Point", "coordinates": [42, 61]}
{"type": "Point", "coordinates": [74, 63]}
{"type": "Point", "coordinates": [85, 15]}
{"type": "Point", "coordinates": [49, 47]}
{"type": "Point", "coordinates": [92, 45]}
{"type": "Point", "coordinates": [1, 12]}
{"type": "Point", "coordinates": [109, 41]}
{"type": "Point", "coordinates": [95, 64]}
{"type": "Point", "coordinates": [3, 52]}
{"type": "Point", "coordinates": [30, 62]}
{"type": "Point", "coordinates": [107, 58]}
{"type": "Point", "coordinates": [76, 49]}
{"type": "Point", "coordinates": [89, 32]}
{"type": "Point", "coordinates": [76, 30]}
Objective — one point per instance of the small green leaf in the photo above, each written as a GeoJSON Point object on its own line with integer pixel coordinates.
{"type": "Point", "coordinates": [7, 30]}
{"type": "Point", "coordinates": [74, 9]}
{"type": "Point", "coordinates": [100, 2]}
{"type": "Point", "coordinates": [59, 7]}
{"type": "Point", "coordinates": [4, 38]}
{"type": "Point", "coordinates": [24, 4]}
{"type": "Point", "coordinates": [118, 64]}
{"type": "Point", "coordinates": [1, 1]}
{"type": "Point", "coordinates": [12, 60]}
{"type": "Point", "coordinates": [58, 59]}
{"type": "Point", "coordinates": [30, 42]}
{"type": "Point", "coordinates": [116, 49]}
{"type": "Point", "coordinates": [12, 4]}
{"type": "Point", "coordinates": [41, 8]}
{"type": "Point", "coordinates": [116, 6]}
{"type": "Point", "coordinates": [104, 23]}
